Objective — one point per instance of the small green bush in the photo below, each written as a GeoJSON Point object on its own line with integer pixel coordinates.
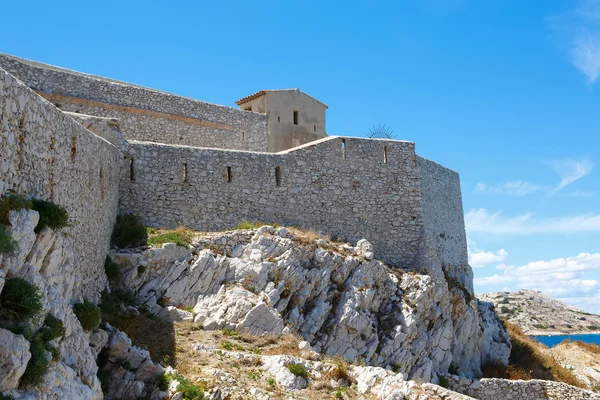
{"type": "Point", "coordinates": [170, 237]}
{"type": "Point", "coordinates": [20, 299]}
{"type": "Point", "coordinates": [453, 369]}
{"type": "Point", "coordinates": [55, 351]}
{"type": "Point", "coordinates": [444, 382]}
{"type": "Point", "coordinates": [38, 364]}
{"type": "Point", "coordinates": [189, 390]}
{"type": "Point", "coordinates": [88, 315]}
{"type": "Point", "coordinates": [129, 231]}
{"type": "Point", "coordinates": [12, 201]}
{"type": "Point", "coordinates": [8, 245]}
{"type": "Point", "coordinates": [110, 303]}
{"type": "Point", "coordinates": [6, 397]}
{"type": "Point", "coordinates": [111, 268]}
{"type": "Point", "coordinates": [298, 370]}
{"type": "Point", "coordinates": [53, 328]}
{"type": "Point", "coordinates": [249, 225]}
{"type": "Point", "coordinates": [52, 215]}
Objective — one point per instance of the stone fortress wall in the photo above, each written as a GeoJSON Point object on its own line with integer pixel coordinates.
{"type": "Point", "coordinates": [144, 114]}
{"type": "Point", "coordinates": [348, 188]}
{"type": "Point", "coordinates": [46, 154]}
{"type": "Point", "coordinates": [349, 192]}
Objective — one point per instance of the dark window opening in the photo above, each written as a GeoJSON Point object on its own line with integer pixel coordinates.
{"type": "Point", "coordinates": [243, 136]}
{"type": "Point", "coordinates": [131, 171]}
{"type": "Point", "coordinates": [295, 117]}
{"type": "Point", "coordinates": [228, 174]}
{"type": "Point", "coordinates": [344, 149]}
{"type": "Point", "coordinates": [73, 147]}
{"type": "Point", "coordinates": [278, 176]}
{"type": "Point", "coordinates": [314, 128]}
{"type": "Point", "coordinates": [278, 119]}
{"type": "Point", "coordinates": [185, 172]}
{"type": "Point", "coordinates": [385, 154]}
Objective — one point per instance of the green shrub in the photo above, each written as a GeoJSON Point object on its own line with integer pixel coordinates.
{"type": "Point", "coordinates": [6, 397]}
{"type": "Point", "coordinates": [38, 364]}
{"type": "Point", "coordinates": [453, 369]}
{"type": "Point", "coordinates": [593, 327]}
{"type": "Point", "coordinates": [88, 315]}
{"type": "Point", "coordinates": [444, 382]}
{"type": "Point", "coordinates": [20, 299]}
{"type": "Point", "coordinates": [110, 303]}
{"type": "Point", "coordinates": [111, 268]}
{"type": "Point", "coordinates": [249, 225]}
{"type": "Point", "coordinates": [189, 390]}
{"type": "Point", "coordinates": [129, 231]}
{"type": "Point", "coordinates": [298, 370]}
{"type": "Point", "coordinates": [53, 328]}
{"type": "Point", "coordinates": [8, 245]}
{"type": "Point", "coordinates": [180, 236]}
{"type": "Point", "coordinates": [55, 351]}
{"type": "Point", "coordinates": [52, 215]}
{"type": "Point", "coordinates": [12, 201]}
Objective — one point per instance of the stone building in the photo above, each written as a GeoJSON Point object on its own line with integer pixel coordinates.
{"type": "Point", "coordinates": [293, 117]}
{"type": "Point", "coordinates": [188, 162]}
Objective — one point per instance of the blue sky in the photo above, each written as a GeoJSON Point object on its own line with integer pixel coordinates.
{"type": "Point", "coordinates": [506, 93]}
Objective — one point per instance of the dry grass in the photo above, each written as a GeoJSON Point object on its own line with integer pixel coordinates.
{"type": "Point", "coordinates": [528, 361]}
{"type": "Point", "coordinates": [591, 347]}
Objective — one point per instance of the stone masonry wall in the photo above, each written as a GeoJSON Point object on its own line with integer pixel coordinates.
{"type": "Point", "coordinates": [350, 194]}
{"type": "Point", "coordinates": [46, 154]}
{"type": "Point", "coordinates": [144, 114]}
{"type": "Point", "coordinates": [443, 218]}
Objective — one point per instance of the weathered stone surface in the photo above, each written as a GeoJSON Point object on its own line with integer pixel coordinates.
{"type": "Point", "coordinates": [14, 356]}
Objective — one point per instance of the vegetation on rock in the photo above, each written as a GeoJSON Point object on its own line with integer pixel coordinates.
{"type": "Point", "coordinates": [111, 268]}
{"type": "Point", "coordinates": [8, 245]}
{"type": "Point", "coordinates": [180, 236]}
{"type": "Point", "coordinates": [52, 215]}
{"type": "Point", "coordinates": [12, 201]}
{"type": "Point", "coordinates": [38, 364]}
{"type": "Point", "coordinates": [20, 299]}
{"type": "Point", "coordinates": [53, 328]}
{"type": "Point", "coordinates": [88, 315]}
{"type": "Point", "coordinates": [298, 370]}
{"type": "Point", "coordinates": [129, 231]}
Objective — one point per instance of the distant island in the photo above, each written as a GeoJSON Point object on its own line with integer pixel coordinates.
{"type": "Point", "coordinates": [537, 314]}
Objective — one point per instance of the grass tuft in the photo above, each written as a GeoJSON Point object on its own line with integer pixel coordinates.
{"type": "Point", "coordinates": [129, 231]}
{"type": "Point", "coordinates": [8, 245]}
{"type": "Point", "coordinates": [298, 370]}
{"type": "Point", "coordinates": [88, 315]}
{"type": "Point", "coordinates": [181, 236]}
{"type": "Point", "coordinates": [38, 364]}
{"type": "Point", "coordinates": [52, 215]}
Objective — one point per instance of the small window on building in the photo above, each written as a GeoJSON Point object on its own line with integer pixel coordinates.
{"type": "Point", "coordinates": [295, 117]}
{"type": "Point", "coordinates": [131, 171]}
{"type": "Point", "coordinates": [228, 174]}
{"type": "Point", "coordinates": [185, 172]}
{"type": "Point", "coordinates": [243, 136]}
{"type": "Point", "coordinates": [278, 176]}
{"type": "Point", "coordinates": [314, 128]}
{"type": "Point", "coordinates": [278, 119]}
{"type": "Point", "coordinates": [385, 154]}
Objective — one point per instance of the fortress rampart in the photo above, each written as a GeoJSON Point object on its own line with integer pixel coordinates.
{"type": "Point", "coordinates": [348, 192]}
{"type": "Point", "coordinates": [46, 154]}
{"type": "Point", "coordinates": [349, 188]}
{"type": "Point", "coordinates": [144, 114]}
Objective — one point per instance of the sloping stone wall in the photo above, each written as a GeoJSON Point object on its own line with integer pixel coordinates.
{"type": "Point", "coordinates": [144, 114]}
{"type": "Point", "coordinates": [46, 154]}
{"type": "Point", "coordinates": [340, 186]}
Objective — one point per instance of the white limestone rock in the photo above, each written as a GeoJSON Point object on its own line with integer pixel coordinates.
{"type": "Point", "coordinates": [14, 356]}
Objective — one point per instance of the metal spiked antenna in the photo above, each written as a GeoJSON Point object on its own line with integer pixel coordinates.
{"type": "Point", "coordinates": [381, 131]}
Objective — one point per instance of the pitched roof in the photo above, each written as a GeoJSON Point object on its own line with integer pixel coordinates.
{"type": "Point", "coordinates": [263, 92]}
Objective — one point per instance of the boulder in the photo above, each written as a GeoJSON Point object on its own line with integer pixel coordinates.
{"type": "Point", "coordinates": [14, 356]}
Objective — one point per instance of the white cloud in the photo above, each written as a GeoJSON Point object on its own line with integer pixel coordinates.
{"type": "Point", "coordinates": [571, 170]}
{"type": "Point", "coordinates": [561, 278]}
{"type": "Point", "coordinates": [480, 220]}
{"type": "Point", "coordinates": [513, 188]}
{"type": "Point", "coordinates": [482, 258]}
{"type": "Point", "coordinates": [493, 280]}
{"type": "Point", "coordinates": [579, 193]}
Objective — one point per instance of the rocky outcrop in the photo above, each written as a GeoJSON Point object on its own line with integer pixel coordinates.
{"type": "Point", "coordinates": [534, 389]}
{"type": "Point", "coordinates": [129, 370]}
{"type": "Point", "coordinates": [334, 295]}
{"type": "Point", "coordinates": [538, 314]}
{"type": "Point", "coordinates": [48, 260]}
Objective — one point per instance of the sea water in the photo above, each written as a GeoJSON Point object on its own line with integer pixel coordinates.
{"type": "Point", "coordinates": [553, 340]}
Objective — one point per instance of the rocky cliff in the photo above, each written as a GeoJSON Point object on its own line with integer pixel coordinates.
{"type": "Point", "coordinates": [336, 296]}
